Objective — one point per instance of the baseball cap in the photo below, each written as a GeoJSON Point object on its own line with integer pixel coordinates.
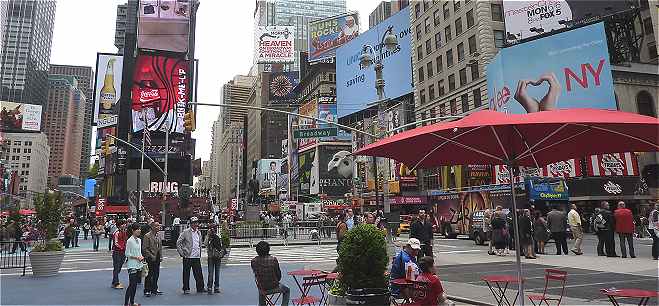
{"type": "Point", "coordinates": [194, 219]}
{"type": "Point", "coordinates": [414, 243]}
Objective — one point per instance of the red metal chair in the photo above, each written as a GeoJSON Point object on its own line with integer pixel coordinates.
{"type": "Point", "coordinates": [309, 282]}
{"type": "Point", "coordinates": [270, 299]}
{"type": "Point", "coordinates": [551, 275]}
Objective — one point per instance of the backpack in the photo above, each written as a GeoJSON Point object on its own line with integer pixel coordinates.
{"type": "Point", "coordinates": [600, 222]}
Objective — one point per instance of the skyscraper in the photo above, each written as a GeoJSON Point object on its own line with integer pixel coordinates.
{"type": "Point", "coordinates": [84, 76]}
{"type": "Point", "coordinates": [27, 31]}
{"type": "Point", "coordinates": [124, 23]}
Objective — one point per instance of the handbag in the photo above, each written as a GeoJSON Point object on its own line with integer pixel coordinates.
{"type": "Point", "coordinates": [145, 270]}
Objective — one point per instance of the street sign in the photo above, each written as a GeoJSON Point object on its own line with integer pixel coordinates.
{"type": "Point", "coordinates": [314, 133]}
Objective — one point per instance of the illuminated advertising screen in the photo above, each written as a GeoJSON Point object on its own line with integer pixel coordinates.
{"type": "Point", "coordinates": [274, 44]}
{"type": "Point", "coordinates": [326, 35]}
{"type": "Point", "coordinates": [164, 25]}
{"type": "Point", "coordinates": [160, 93]}
{"type": "Point", "coordinates": [107, 90]}
{"type": "Point", "coordinates": [281, 87]}
{"type": "Point", "coordinates": [16, 117]}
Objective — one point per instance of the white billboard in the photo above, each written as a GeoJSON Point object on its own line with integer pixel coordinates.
{"type": "Point", "coordinates": [17, 117]}
{"type": "Point", "coordinates": [274, 44]}
{"type": "Point", "coordinates": [107, 88]}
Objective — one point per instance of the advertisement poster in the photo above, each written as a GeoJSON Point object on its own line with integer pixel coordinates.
{"type": "Point", "coordinates": [292, 155]}
{"type": "Point", "coordinates": [335, 170]}
{"type": "Point", "coordinates": [308, 109]}
{"type": "Point", "coordinates": [328, 113]}
{"type": "Point", "coordinates": [548, 189]}
{"type": "Point", "coordinates": [269, 171]}
{"type": "Point", "coordinates": [614, 164]}
{"type": "Point", "coordinates": [354, 83]}
{"type": "Point", "coordinates": [326, 35]}
{"type": "Point", "coordinates": [164, 25]}
{"type": "Point", "coordinates": [160, 93]}
{"type": "Point", "coordinates": [274, 44]}
{"type": "Point", "coordinates": [108, 85]}
{"type": "Point", "coordinates": [306, 168]}
{"type": "Point", "coordinates": [17, 117]}
{"type": "Point", "coordinates": [281, 87]}
{"type": "Point", "coordinates": [566, 70]}
{"type": "Point", "coordinates": [523, 17]}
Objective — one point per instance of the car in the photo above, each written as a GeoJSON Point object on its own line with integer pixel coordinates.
{"type": "Point", "coordinates": [476, 231]}
{"type": "Point", "coordinates": [404, 227]}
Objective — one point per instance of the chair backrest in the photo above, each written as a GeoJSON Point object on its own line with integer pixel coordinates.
{"type": "Point", "coordinates": [559, 276]}
{"type": "Point", "coordinates": [268, 297]}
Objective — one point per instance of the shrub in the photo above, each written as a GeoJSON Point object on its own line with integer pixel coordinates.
{"type": "Point", "coordinates": [363, 258]}
{"type": "Point", "coordinates": [49, 207]}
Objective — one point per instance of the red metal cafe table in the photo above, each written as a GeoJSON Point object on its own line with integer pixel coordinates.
{"type": "Point", "coordinates": [405, 286]}
{"type": "Point", "coordinates": [643, 295]}
{"type": "Point", "coordinates": [304, 290]}
{"type": "Point", "coordinates": [501, 282]}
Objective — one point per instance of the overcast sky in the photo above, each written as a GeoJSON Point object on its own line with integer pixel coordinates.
{"type": "Point", "coordinates": [224, 44]}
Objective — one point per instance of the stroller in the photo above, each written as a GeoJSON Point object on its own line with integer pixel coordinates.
{"type": "Point", "coordinates": [314, 235]}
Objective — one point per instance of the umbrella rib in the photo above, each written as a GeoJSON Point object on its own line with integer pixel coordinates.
{"type": "Point", "coordinates": [553, 144]}
{"type": "Point", "coordinates": [466, 146]}
{"type": "Point", "coordinates": [530, 150]}
{"type": "Point", "coordinates": [526, 144]}
{"type": "Point", "coordinates": [499, 141]}
{"type": "Point", "coordinates": [621, 134]}
{"type": "Point", "coordinates": [446, 140]}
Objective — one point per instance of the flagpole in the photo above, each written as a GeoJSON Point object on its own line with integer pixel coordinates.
{"type": "Point", "coordinates": [139, 179]}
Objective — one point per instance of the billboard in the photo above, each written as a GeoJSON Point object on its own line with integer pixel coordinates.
{"type": "Point", "coordinates": [524, 19]}
{"type": "Point", "coordinates": [107, 90]}
{"type": "Point", "coordinates": [306, 169]}
{"type": "Point", "coordinates": [164, 25]}
{"type": "Point", "coordinates": [160, 93]}
{"type": "Point", "coordinates": [274, 44]}
{"type": "Point", "coordinates": [268, 171]}
{"type": "Point", "coordinates": [17, 117]}
{"type": "Point", "coordinates": [355, 83]}
{"type": "Point", "coordinates": [281, 87]}
{"type": "Point", "coordinates": [612, 164]}
{"type": "Point", "coordinates": [326, 35]}
{"type": "Point", "coordinates": [335, 171]}
{"type": "Point", "coordinates": [566, 70]}
{"type": "Point", "coordinates": [328, 112]}
{"type": "Point", "coordinates": [308, 109]}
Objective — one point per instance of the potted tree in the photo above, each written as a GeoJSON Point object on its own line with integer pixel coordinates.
{"type": "Point", "coordinates": [47, 254]}
{"type": "Point", "coordinates": [362, 263]}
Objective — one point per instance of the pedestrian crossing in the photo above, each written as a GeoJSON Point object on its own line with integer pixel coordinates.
{"type": "Point", "coordinates": [287, 254]}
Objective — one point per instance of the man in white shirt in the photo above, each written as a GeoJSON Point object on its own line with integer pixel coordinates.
{"type": "Point", "coordinates": [574, 220]}
{"type": "Point", "coordinates": [188, 246]}
{"type": "Point", "coordinates": [653, 228]}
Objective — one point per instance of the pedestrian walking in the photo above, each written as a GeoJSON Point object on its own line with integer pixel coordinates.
{"type": "Point", "coordinates": [97, 231]}
{"type": "Point", "coordinates": [487, 230]}
{"type": "Point", "coordinates": [625, 229]}
{"type": "Point", "coordinates": [653, 229]}
{"type": "Point", "coordinates": [216, 251]}
{"type": "Point", "coordinates": [540, 231]}
{"type": "Point", "coordinates": [526, 234]}
{"type": "Point", "coordinates": [499, 231]}
{"type": "Point", "coordinates": [106, 227]}
{"type": "Point", "coordinates": [76, 232]}
{"type": "Point", "coordinates": [574, 221]}
{"type": "Point", "coordinates": [557, 224]}
{"type": "Point", "coordinates": [421, 229]}
{"type": "Point", "coordinates": [152, 251]}
{"type": "Point", "coordinates": [112, 228]}
{"type": "Point", "coordinates": [134, 263]}
{"type": "Point", "coordinates": [85, 229]}
{"type": "Point", "coordinates": [341, 230]}
{"type": "Point", "coordinates": [608, 230]}
{"type": "Point", "coordinates": [351, 219]}
{"type": "Point", "coordinates": [119, 239]}
{"type": "Point", "coordinates": [268, 274]}
{"type": "Point", "coordinates": [188, 246]}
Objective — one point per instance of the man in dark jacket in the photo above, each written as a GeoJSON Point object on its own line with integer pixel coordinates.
{"type": "Point", "coordinates": [609, 230]}
{"type": "Point", "coordinates": [421, 229]}
{"type": "Point", "coordinates": [557, 224]}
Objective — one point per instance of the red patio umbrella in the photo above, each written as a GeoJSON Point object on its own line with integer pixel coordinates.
{"type": "Point", "coordinates": [535, 139]}
{"type": "Point", "coordinates": [26, 212]}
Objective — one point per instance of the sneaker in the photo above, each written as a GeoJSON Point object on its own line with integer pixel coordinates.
{"type": "Point", "coordinates": [158, 292]}
{"type": "Point", "coordinates": [218, 290]}
{"type": "Point", "coordinates": [147, 294]}
{"type": "Point", "coordinates": [186, 291]}
{"type": "Point", "coordinates": [118, 286]}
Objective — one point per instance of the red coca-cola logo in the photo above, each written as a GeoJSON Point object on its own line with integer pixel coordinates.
{"type": "Point", "coordinates": [148, 95]}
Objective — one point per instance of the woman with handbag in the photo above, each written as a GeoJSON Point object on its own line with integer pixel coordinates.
{"type": "Point", "coordinates": [134, 255]}
{"type": "Point", "coordinates": [499, 231]}
{"type": "Point", "coordinates": [216, 251]}
{"type": "Point", "coordinates": [540, 232]}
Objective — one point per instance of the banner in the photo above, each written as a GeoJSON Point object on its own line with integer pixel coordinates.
{"type": "Point", "coordinates": [16, 117]}
{"type": "Point", "coordinates": [306, 169]}
{"type": "Point", "coordinates": [274, 44]}
{"type": "Point", "coordinates": [308, 109]}
{"type": "Point", "coordinates": [164, 25]}
{"type": "Point", "coordinates": [160, 93]}
{"type": "Point", "coordinates": [613, 164]}
{"type": "Point", "coordinates": [525, 19]}
{"type": "Point", "coordinates": [281, 87]}
{"type": "Point", "coordinates": [268, 172]}
{"type": "Point", "coordinates": [335, 170]}
{"type": "Point", "coordinates": [548, 189]}
{"type": "Point", "coordinates": [107, 91]}
{"type": "Point", "coordinates": [326, 35]}
{"type": "Point", "coordinates": [566, 70]}
{"type": "Point", "coordinates": [354, 82]}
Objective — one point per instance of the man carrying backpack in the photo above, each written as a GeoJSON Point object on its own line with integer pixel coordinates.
{"type": "Point", "coordinates": [600, 229]}
{"type": "Point", "coordinates": [607, 226]}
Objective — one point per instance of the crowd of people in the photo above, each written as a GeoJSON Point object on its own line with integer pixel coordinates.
{"type": "Point", "coordinates": [20, 233]}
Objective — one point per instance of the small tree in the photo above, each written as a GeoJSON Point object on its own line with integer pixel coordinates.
{"type": "Point", "coordinates": [363, 258]}
{"type": "Point", "coordinates": [49, 207]}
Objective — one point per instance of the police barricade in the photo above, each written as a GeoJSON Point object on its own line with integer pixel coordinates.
{"type": "Point", "coordinates": [13, 255]}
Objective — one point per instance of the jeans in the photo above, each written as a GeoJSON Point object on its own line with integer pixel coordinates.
{"type": "Point", "coordinates": [86, 233]}
{"type": "Point", "coordinates": [133, 277]}
{"type": "Point", "coordinates": [214, 273]}
{"type": "Point", "coordinates": [97, 240]}
{"type": "Point", "coordinates": [67, 241]}
{"type": "Point", "coordinates": [655, 242]}
{"type": "Point", "coordinates": [630, 239]}
{"type": "Point", "coordinates": [118, 259]}
{"type": "Point", "coordinates": [601, 238]}
{"type": "Point", "coordinates": [151, 279]}
{"type": "Point", "coordinates": [195, 264]}
{"type": "Point", "coordinates": [561, 242]}
{"type": "Point", "coordinates": [285, 295]}
{"type": "Point", "coordinates": [110, 243]}
{"type": "Point", "coordinates": [75, 238]}
{"type": "Point", "coordinates": [610, 244]}
{"type": "Point", "coordinates": [577, 232]}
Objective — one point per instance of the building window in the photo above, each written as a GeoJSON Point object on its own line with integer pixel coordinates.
{"type": "Point", "coordinates": [474, 70]}
{"type": "Point", "coordinates": [431, 92]}
{"type": "Point", "coordinates": [645, 104]}
{"type": "Point", "coordinates": [419, 53]}
{"type": "Point", "coordinates": [442, 109]}
{"type": "Point", "coordinates": [440, 65]}
{"type": "Point", "coordinates": [458, 26]}
{"type": "Point", "coordinates": [461, 52]}
{"type": "Point", "coordinates": [438, 40]}
{"type": "Point", "coordinates": [447, 33]}
{"type": "Point", "coordinates": [426, 4]}
{"type": "Point", "coordinates": [417, 10]}
{"type": "Point", "coordinates": [472, 44]}
{"type": "Point", "coordinates": [447, 13]}
{"type": "Point", "coordinates": [465, 102]}
{"type": "Point", "coordinates": [477, 97]}
{"type": "Point", "coordinates": [454, 110]}
{"type": "Point", "coordinates": [421, 74]}
{"type": "Point", "coordinates": [427, 25]}
{"type": "Point", "coordinates": [449, 58]}
{"type": "Point", "coordinates": [451, 82]}
{"type": "Point", "coordinates": [422, 96]}
{"type": "Point", "coordinates": [499, 39]}
{"type": "Point", "coordinates": [418, 32]}
{"type": "Point", "coordinates": [497, 12]}
{"type": "Point", "coordinates": [463, 76]}
{"type": "Point", "coordinates": [429, 68]}
{"type": "Point", "coordinates": [456, 5]}
{"type": "Point", "coordinates": [428, 46]}
{"type": "Point", "coordinates": [647, 24]}
{"type": "Point", "coordinates": [470, 18]}
{"type": "Point", "coordinates": [433, 115]}
{"type": "Point", "coordinates": [435, 17]}
{"type": "Point", "coordinates": [440, 86]}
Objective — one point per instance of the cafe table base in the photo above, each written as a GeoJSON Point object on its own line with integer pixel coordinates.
{"type": "Point", "coordinates": [500, 287]}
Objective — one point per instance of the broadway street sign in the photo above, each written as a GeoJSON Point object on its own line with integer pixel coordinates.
{"type": "Point", "coordinates": [314, 133]}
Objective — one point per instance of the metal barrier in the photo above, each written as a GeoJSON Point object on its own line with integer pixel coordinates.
{"type": "Point", "coordinates": [251, 234]}
{"type": "Point", "coordinates": [13, 255]}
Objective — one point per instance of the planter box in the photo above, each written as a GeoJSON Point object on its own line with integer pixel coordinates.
{"type": "Point", "coordinates": [46, 263]}
{"type": "Point", "coordinates": [335, 300]}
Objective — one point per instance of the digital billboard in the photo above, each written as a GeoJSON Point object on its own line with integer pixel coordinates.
{"type": "Point", "coordinates": [160, 93]}
{"type": "Point", "coordinates": [566, 70]}
{"type": "Point", "coordinates": [164, 25]}
{"type": "Point", "coordinates": [355, 84]}
{"type": "Point", "coordinates": [107, 90]}
{"type": "Point", "coordinates": [335, 170]}
{"type": "Point", "coordinates": [281, 87]}
{"type": "Point", "coordinates": [326, 35]}
{"type": "Point", "coordinates": [525, 19]}
{"type": "Point", "coordinates": [274, 44]}
{"type": "Point", "coordinates": [16, 117]}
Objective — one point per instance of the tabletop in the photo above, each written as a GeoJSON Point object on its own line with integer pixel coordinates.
{"type": "Point", "coordinates": [401, 282]}
{"type": "Point", "coordinates": [633, 293]}
{"type": "Point", "coordinates": [500, 278]}
{"type": "Point", "coordinates": [332, 276]}
{"type": "Point", "coordinates": [303, 272]}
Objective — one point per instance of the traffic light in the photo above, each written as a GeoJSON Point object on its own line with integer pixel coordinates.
{"type": "Point", "coordinates": [188, 121]}
{"type": "Point", "coordinates": [105, 147]}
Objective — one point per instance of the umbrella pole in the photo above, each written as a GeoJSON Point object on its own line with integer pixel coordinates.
{"type": "Point", "coordinates": [518, 259]}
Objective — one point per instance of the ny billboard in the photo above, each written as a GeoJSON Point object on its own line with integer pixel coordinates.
{"type": "Point", "coordinates": [160, 93]}
{"type": "Point", "coordinates": [164, 25]}
{"type": "Point", "coordinates": [326, 35]}
{"type": "Point", "coordinates": [566, 70]}
{"type": "Point", "coordinates": [281, 87]}
{"type": "Point", "coordinates": [335, 171]}
{"type": "Point", "coordinates": [525, 19]}
{"type": "Point", "coordinates": [355, 83]}
{"type": "Point", "coordinates": [269, 171]}
{"type": "Point", "coordinates": [274, 44]}
{"type": "Point", "coordinates": [16, 117]}
{"type": "Point", "coordinates": [107, 90]}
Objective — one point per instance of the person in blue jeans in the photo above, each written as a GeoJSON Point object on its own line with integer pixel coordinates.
{"type": "Point", "coordinates": [268, 275]}
{"type": "Point", "coordinates": [407, 255]}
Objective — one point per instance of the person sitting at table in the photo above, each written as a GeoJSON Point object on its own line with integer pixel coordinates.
{"type": "Point", "coordinates": [268, 275]}
{"type": "Point", "coordinates": [400, 262]}
{"type": "Point", "coordinates": [435, 294]}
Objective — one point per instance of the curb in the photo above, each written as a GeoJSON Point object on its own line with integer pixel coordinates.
{"type": "Point", "coordinates": [468, 301]}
